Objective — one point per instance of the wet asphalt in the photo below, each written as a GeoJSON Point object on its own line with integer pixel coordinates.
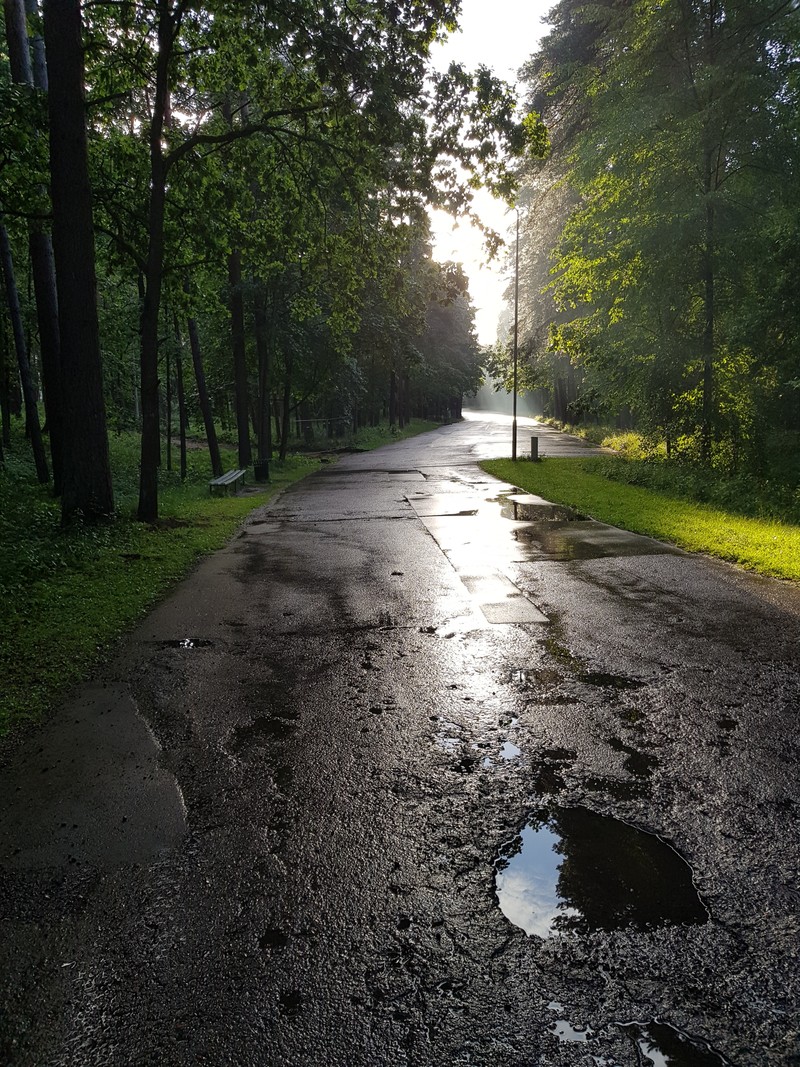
{"type": "Point", "coordinates": [303, 817]}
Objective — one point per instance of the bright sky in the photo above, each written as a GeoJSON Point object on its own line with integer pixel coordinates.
{"type": "Point", "coordinates": [500, 34]}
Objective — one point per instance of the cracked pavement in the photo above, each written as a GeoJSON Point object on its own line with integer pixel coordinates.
{"type": "Point", "coordinates": [275, 826]}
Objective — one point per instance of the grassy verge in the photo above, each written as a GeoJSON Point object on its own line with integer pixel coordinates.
{"type": "Point", "coordinates": [69, 594]}
{"type": "Point", "coordinates": [764, 545]}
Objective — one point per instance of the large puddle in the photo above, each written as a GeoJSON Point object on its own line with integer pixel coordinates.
{"type": "Point", "coordinates": [662, 1045]}
{"type": "Point", "coordinates": [571, 869]}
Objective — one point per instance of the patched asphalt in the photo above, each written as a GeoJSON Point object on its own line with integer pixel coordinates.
{"type": "Point", "coordinates": [279, 827]}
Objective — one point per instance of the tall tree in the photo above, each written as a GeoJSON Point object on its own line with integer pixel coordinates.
{"type": "Point", "coordinates": [675, 120]}
{"type": "Point", "coordinates": [34, 74]}
{"type": "Point", "coordinates": [87, 488]}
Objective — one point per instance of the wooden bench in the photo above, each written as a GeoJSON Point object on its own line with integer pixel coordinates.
{"type": "Point", "coordinates": [226, 482]}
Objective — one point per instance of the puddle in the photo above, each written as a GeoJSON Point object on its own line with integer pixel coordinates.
{"type": "Point", "coordinates": [264, 728]}
{"type": "Point", "coordinates": [291, 1003]}
{"type": "Point", "coordinates": [616, 788]}
{"type": "Point", "coordinates": [610, 681]}
{"type": "Point", "coordinates": [559, 755]}
{"type": "Point", "coordinates": [509, 751]}
{"type": "Point", "coordinates": [283, 776]}
{"type": "Point", "coordinates": [187, 642]}
{"type": "Point", "coordinates": [571, 869]}
{"type": "Point", "coordinates": [639, 764]}
{"type": "Point", "coordinates": [524, 507]}
{"type": "Point", "coordinates": [273, 939]}
{"type": "Point", "coordinates": [548, 780]}
{"type": "Point", "coordinates": [663, 1045]}
{"type": "Point", "coordinates": [526, 677]}
{"type": "Point", "coordinates": [563, 1028]}
{"type": "Point", "coordinates": [567, 1033]}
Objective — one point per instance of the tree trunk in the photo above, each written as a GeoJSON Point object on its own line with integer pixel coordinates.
{"type": "Point", "coordinates": [392, 399]}
{"type": "Point", "coordinates": [708, 325]}
{"type": "Point", "coordinates": [28, 392]}
{"type": "Point", "coordinates": [168, 407]}
{"type": "Point", "coordinates": [39, 61]}
{"type": "Point", "coordinates": [87, 469]}
{"type": "Point", "coordinates": [236, 305]}
{"type": "Point", "coordinates": [44, 283]}
{"type": "Point", "coordinates": [286, 420]}
{"type": "Point", "coordinates": [181, 398]}
{"type": "Point", "coordinates": [276, 412]}
{"type": "Point", "coordinates": [205, 405]}
{"type": "Point", "coordinates": [5, 384]}
{"type": "Point", "coordinates": [264, 420]}
{"type": "Point", "coordinates": [405, 404]}
{"type": "Point", "coordinates": [151, 438]}
{"type": "Point", "coordinates": [17, 40]}
{"type": "Point", "coordinates": [39, 241]}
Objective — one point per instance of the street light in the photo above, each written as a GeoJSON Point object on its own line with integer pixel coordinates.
{"type": "Point", "coordinates": [516, 330]}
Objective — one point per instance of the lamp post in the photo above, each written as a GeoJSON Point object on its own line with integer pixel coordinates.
{"type": "Point", "coordinates": [516, 330]}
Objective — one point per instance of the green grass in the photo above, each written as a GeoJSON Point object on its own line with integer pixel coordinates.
{"type": "Point", "coordinates": [760, 544]}
{"type": "Point", "coordinates": [68, 595]}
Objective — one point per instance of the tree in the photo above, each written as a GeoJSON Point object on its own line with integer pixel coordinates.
{"type": "Point", "coordinates": [679, 147]}
{"type": "Point", "coordinates": [28, 390]}
{"type": "Point", "coordinates": [87, 473]}
{"type": "Point", "coordinates": [346, 87]}
{"type": "Point", "coordinates": [34, 74]}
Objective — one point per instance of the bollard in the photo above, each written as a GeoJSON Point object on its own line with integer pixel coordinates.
{"type": "Point", "coordinates": [535, 449]}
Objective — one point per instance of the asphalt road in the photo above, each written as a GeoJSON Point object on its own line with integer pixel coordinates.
{"type": "Point", "coordinates": [417, 773]}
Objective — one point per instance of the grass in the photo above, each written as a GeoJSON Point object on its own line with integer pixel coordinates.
{"type": "Point", "coordinates": [765, 545]}
{"type": "Point", "coordinates": [68, 595]}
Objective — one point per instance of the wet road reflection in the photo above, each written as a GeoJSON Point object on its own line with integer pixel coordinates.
{"type": "Point", "coordinates": [662, 1045]}
{"type": "Point", "coordinates": [571, 869]}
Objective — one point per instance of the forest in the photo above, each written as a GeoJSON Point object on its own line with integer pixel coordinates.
{"type": "Point", "coordinates": [214, 214]}
{"type": "Point", "coordinates": [213, 220]}
{"type": "Point", "coordinates": [659, 250]}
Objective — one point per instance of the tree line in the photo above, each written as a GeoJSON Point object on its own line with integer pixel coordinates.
{"type": "Point", "coordinates": [659, 248]}
{"type": "Point", "coordinates": [222, 205]}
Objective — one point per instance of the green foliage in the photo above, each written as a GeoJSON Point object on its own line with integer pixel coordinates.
{"type": "Point", "coordinates": [664, 292]}
{"type": "Point", "coordinates": [598, 488]}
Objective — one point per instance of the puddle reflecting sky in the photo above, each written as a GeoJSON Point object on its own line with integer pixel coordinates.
{"type": "Point", "coordinates": [572, 869]}
{"type": "Point", "coordinates": [527, 888]}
